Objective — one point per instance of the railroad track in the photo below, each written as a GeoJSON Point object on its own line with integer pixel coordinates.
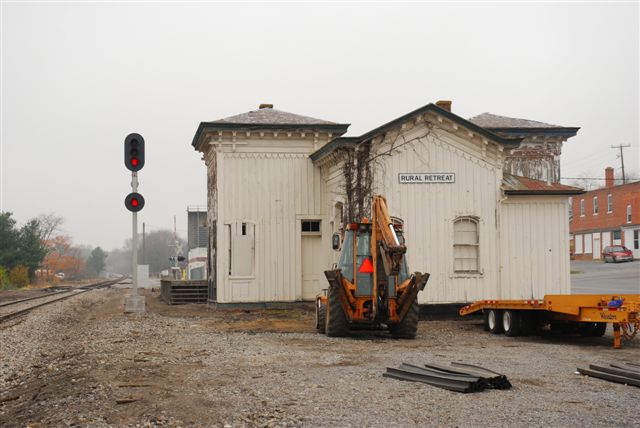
{"type": "Point", "coordinates": [14, 308]}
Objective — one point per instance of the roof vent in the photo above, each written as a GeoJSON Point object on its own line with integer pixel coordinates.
{"type": "Point", "coordinates": [444, 104]}
{"type": "Point", "coordinates": [265, 106]}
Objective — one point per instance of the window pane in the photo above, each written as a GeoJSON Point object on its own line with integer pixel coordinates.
{"type": "Point", "coordinates": [465, 245]}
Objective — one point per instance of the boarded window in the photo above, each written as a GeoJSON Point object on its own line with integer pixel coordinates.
{"type": "Point", "coordinates": [578, 244]}
{"type": "Point", "coordinates": [587, 243]}
{"type": "Point", "coordinates": [242, 244]}
{"type": "Point", "coordinates": [466, 245]}
{"type": "Point", "coordinates": [311, 227]}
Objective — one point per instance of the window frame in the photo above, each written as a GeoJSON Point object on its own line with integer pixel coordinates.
{"type": "Point", "coordinates": [582, 208]}
{"type": "Point", "coordinates": [629, 218]}
{"type": "Point", "coordinates": [609, 203]}
{"type": "Point", "coordinates": [596, 206]}
{"type": "Point", "coordinates": [466, 273]}
{"type": "Point", "coordinates": [311, 232]}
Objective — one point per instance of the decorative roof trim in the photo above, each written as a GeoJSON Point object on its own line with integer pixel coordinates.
{"type": "Point", "coordinates": [205, 127]}
{"type": "Point", "coordinates": [511, 142]}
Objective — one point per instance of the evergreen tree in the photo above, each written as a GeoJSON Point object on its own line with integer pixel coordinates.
{"type": "Point", "coordinates": [96, 261]}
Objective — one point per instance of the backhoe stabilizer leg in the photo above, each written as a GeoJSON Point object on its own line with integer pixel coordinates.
{"type": "Point", "coordinates": [418, 282]}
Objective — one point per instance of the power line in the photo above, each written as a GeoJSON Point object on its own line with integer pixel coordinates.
{"type": "Point", "coordinates": [622, 159]}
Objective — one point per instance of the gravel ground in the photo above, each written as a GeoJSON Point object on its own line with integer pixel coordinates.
{"type": "Point", "coordinates": [82, 362]}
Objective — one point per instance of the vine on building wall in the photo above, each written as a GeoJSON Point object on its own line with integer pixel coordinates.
{"type": "Point", "coordinates": [360, 165]}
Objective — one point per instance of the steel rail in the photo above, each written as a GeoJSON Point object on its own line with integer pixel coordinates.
{"type": "Point", "coordinates": [15, 302]}
{"type": "Point", "coordinates": [74, 292]}
{"type": "Point", "coordinates": [614, 371]}
{"type": "Point", "coordinates": [610, 377]}
{"type": "Point", "coordinates": [441, 383]}
{"type": "Point", "coordinates": [435, 379]}
{"type": "Point", "coordinates": [626, 366]}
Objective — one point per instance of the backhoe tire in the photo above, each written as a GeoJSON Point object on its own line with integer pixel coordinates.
{"type": "Point", "coordinates": [408, 327]}
{"type": "Point", "coordinates": [321, 317]}
{"type": "Point", "coordinates": [336, 324]}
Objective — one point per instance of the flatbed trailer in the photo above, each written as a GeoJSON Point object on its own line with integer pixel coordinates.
{"type": "Point", "coordinates": [586, 314]}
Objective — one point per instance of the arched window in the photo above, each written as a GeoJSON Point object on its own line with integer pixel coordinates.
{"type": "Point", "coordinates": [466, 245]}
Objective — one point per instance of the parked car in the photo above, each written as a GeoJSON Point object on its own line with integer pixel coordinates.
{"type": "Point", "coordinates": [616, 253]}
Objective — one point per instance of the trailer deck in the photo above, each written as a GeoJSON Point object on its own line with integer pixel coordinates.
{"type": "Point", "coordinates": [587, 314]}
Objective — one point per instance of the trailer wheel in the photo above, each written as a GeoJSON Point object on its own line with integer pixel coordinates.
{"type": "Point", "coordinates": [485, 316]}
{"type": "Point", "coordinates": [528, 323]}
{"type": "Point", "coordinates": [511, 323]}
{"type": "Point", "coordinates": [321, 316]}
{"type": "Point", "coordinates": [593, 329]}
{"type": "Point", "coordinates": [599, 329]}
{"type": "Point", "coordinates": [494, 321]}
{"type": "Point", "coordinates": [408, 327]}
{"type": "Point", "coordinates": [336, 324]}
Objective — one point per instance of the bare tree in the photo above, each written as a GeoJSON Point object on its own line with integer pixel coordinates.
{"type": "Point", "coordinates": [49, 224]}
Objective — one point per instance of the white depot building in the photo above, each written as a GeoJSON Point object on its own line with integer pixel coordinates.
{"type": "Point", "coordinates": [280, 185]}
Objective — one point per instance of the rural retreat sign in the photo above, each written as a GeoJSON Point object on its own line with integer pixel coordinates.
{"type": "Point", "coordinates": [426, 177]}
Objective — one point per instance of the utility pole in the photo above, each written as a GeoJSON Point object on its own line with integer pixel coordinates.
{"type": "Point", "coordinates": [624, 179]}
{"type": "Point", "coordinates": [143, 247]}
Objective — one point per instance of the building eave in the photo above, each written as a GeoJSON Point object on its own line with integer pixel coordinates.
{"type": "Point", "coordinates": [546, 132]}
{"type": "Point", "coordinates": [510, 142]}
{"type": "Point", "coordinates": [206, 127]}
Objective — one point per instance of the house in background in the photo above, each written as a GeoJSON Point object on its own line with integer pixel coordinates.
{"type": "Point", "coordinates": [607, 216]}
{"type": "Point", "coordinates": [198, 243]}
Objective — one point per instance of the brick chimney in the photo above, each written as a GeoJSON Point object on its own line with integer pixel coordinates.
{"type": "Point", "coordinates": [444, 104]}
{"type": "Point", "coordinates": [608, 176]}
{"type": "Point", "coordinates": [265, 106]}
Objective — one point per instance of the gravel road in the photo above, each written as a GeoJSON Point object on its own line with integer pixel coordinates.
{"type": "Point", "coordinates": [81, 362]}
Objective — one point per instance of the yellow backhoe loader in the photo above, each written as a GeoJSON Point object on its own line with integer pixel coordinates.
{"type": "Point", "coordinates": [371, 286]}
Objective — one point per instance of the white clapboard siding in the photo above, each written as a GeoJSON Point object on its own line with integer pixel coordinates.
{"type": "Point", "coordinates": [535, 247]}
{"type": "Point", "coordinates": [429, 211]}
{"type": "Point", "coordinates": [274, 191]}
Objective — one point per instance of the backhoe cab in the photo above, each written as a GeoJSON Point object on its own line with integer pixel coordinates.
{"type": "Point", "coordinates": [371, 286]}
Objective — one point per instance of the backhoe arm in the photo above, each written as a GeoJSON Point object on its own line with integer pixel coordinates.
{"type": "Point", "coordinates": [391, 250]}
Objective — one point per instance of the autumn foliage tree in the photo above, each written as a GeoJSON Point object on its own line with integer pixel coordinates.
{"type": "Point", "coordinates": [62, 257]}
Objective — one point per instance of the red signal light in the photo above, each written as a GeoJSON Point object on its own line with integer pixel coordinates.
{"type": "Point", "coordinates": [134, 161]}
{"type": "Point", "coordinates": [134, 202]}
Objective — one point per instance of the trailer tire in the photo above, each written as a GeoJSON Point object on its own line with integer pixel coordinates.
{"type": "Point", "coordinates": [485, 316]}
{"type": "Point", "coordinates": [494, 321]}
{"type": "Point", "coordinates": [599, 329]}
{"type": "Point", "coordinates": [528, 323]}
{"type": "Point", "coordinates": [593, 329]}
{"type": "Point", "coordinates": [321, 317]}
{"type": "Point", "coordinates": [511, 321]}
{"type": "Point", "coordinates": [336, 324]}
{"type": "Point", "coordinates": [408, 327]}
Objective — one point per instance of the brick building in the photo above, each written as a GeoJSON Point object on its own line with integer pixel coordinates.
{"type": "Point", "coordinates": [607, 216]}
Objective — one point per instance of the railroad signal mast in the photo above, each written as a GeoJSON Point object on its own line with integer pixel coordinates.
{"type": "Point", "coordinates": [134, 202]}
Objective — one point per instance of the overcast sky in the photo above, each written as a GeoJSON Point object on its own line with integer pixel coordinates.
{"type": "Point", "coordinates": [78, 77]}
